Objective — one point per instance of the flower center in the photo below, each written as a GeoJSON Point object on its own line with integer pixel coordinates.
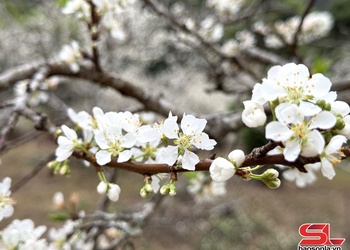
{"type": "Point", "coordinates": [301, 131]}
{"type": "Point", "coordinates": [184, 141]}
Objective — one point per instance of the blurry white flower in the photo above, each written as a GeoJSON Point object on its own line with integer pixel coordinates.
{"type": "Point", "coordinates": [21, 234]}
{"type": "Point", "coordinates": [71, 55]}
{"type": "Point", "coordinates": [302, 179]}
{"type": "Point", "coordinates": [79, 7]}
{"type": "Point", "coordinates": [58, 200]}
{"type": "Point", "coordinates": [246, 39]}
{"type": "Point", "coordinates": [230, 47]}
{"type": "Point", "coordinates": [210, 30]}
{"type": "Point", "coordinates": [226, 7]}
{"type": "Point", "coordinates": [315, 26]}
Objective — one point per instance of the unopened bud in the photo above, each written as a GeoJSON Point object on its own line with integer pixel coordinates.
{"type": "Point", "coordinates": [172, 191]}
{"type": "Point", "coordinates": [148, 187]}
{"type": "Point", "coordinates": [340, 124]}
{"type": "Point", "coordinates": [270, 174]}
{"type": "Point", "coordinates": [321, 103]}
{"type": "Point", "coordinates": [164, 190]}
{"type": "Point", "coordinates": [143, 192]}
{"type": "Point", "coordinates": [273, 184]}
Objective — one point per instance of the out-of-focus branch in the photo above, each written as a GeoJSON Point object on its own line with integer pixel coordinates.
{"type": "Point", "coordinates": [6, 130]}
{"type": "Point", "coordinates": [151, 102]}
{"type": "Point", "coordinates": [161, 11]}
{"type": "Point", "coordinates": [294, 45]}
{"type": "Point", "coordinates": [130, 223]}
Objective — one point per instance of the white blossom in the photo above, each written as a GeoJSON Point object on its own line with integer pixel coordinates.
{"type": "Point", "coordinates": [237, 157]}
{"type": "Point", "coordinates": [79, 7]}
{"type": "Point", "coordinates": [6, 202]}
{"type": "Point", "coordinates": [71, 55]}
{"type": "Point", "coordinates": [211, 30]}
{"type": "Point", "coordinates": [66, 143]}
{"type": "Point", "coordinates": [112, 190]}
{"type": "Point", "coordinates": [302, 179]}
{"type": "Point", "coordinates": [332, 155]}
{"type": "Point", "coordinates": [253, 114]}
{"type": "Point", "coordinates": [191, 135]}
{"type": "Point", "coordinates": [221, 169]}
{"type": "Point", "coordinates": [22, 234]}
{"type": "Point", "coordinates": [226, 7]}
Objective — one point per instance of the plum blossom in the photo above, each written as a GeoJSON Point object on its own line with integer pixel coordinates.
{"type": "Point", "coordinates": [291, 83]}
{"type": "Point", "coordinates": [22, 234]}
{"type": "Point", "coordinates": [221, 169]}
{"type": "Point", "coordinates": [226, 7]}
{"type": "Point", "coordinates": [66, 143]}
{"type": "Point", "coordinates": [191, 135]}
{"type": "Point", "coordinates": [299, 135]}
{"type": "Point", "coordinates": [253, 114]}
{"type": "Point", "coordinates": [316, 25]}
{"type": "Point", "coordinates": [79, 7]}
{"type": "Point", "coordinates": [211, 30]}
{"type": "Point", "coordinates": [302, 179]}
{"type": "Point", "coordinates": [332, 155]}
{"type": "Point", "coordinates": [71, 55]}
{"type": "Point", "coordinates": [6, 202]}
{"type": "Point", "coordinates": [112, 190]}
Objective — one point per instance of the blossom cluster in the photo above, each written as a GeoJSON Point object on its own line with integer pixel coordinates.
{"type": "Point", "coordinates": [22, 234]}
{"type": "Point", "coordinates": [308, 120]}
{"type": "Point", "coordinates": [315, 25]}
{"type": "Point", "coordinates": [122, 136]}
{"type": "Point", "coordinates": [110, 12]}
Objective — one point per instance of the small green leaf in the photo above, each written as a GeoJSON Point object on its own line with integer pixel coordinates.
{"type": "Point", "coordinates": [58, 216]}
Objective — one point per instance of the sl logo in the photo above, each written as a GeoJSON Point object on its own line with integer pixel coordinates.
{"type": "Point", "coordinates": [317, 234]}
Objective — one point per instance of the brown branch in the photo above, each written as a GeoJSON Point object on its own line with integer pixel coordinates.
{"type": "Point", "coordinates": [257, 157]}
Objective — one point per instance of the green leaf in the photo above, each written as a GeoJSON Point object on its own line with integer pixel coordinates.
{"type": "Point", "coordinates": [320, 65]}
{"type": "Point", "coordinates": [58, 216]}
{"type": "Point", "coordinates": [62, 3]}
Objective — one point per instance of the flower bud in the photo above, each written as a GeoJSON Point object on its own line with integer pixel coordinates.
{"type": "Point", "coordinates": [321, 103]}
{"type": "Point", "coordinates": [270, 174]}
{"type": "Point", "coordinates": [113, 192]}
{"type": "Point", "coordinates": [253, 114]}
{"type": "Point", "coordinates": [58, 200]}
{"type": "Point", "coordinates": [164, 189]}
{"type": "Point", "coordinates": [237, 157]}
{"type": "Point", "coordinates": [143, 192]}
{"type": "Point", "coordinates": [102, 187]}
{"type": "Point", "coordinates": [172, 191]}
{"type": "Point", "coordinates": [148, 188]}
{"type": "Point", "coordinates": [340, 124]}
{"type": "Point", "coordinates": [273, 184]}
{"type": "Point", "coordinates": [221, 169]}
